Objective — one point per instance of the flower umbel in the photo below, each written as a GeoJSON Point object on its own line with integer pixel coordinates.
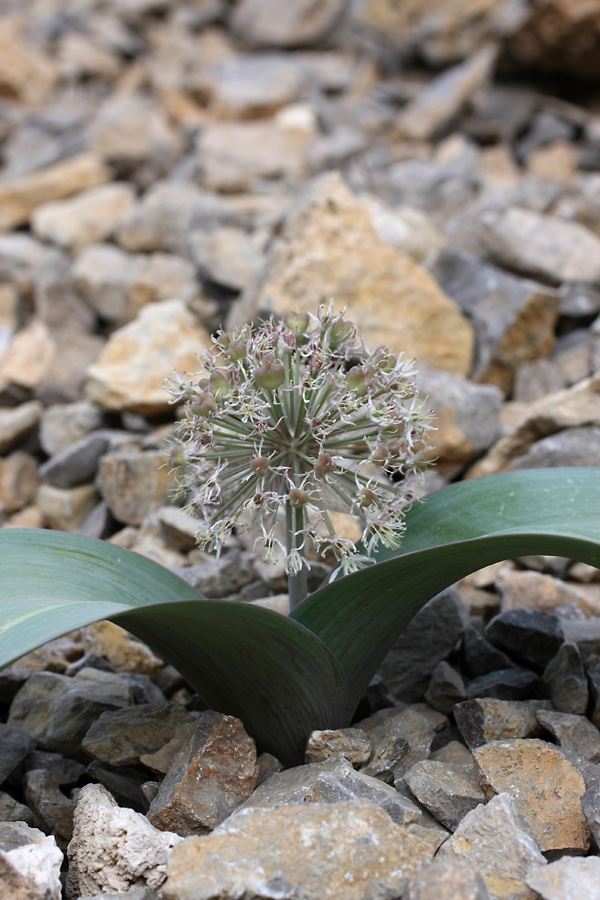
{"type": "Point", "coordinates": [299, 415]}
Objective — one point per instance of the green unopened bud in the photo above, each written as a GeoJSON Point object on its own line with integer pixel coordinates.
{"type": "Point", "coordinates": [260, 465]}
{"type": "Point", "coordinates": [237, 350]}
{"type": "Point", "coordinates": [298, 322]}
{"type": "Point", "coordinates": [270, 375]}
{"type": "Point", "coordinates": [298, 498]}
{"type": "Point", "coordinates": [357, 381]}
{"type": "Point", "coordinates": [324, 464]}
{"type": "Point", "coordinates": [177, 457]}
{"type": "Point", "coordinates": [341, 331]}
{"type": "Point", "coordinates": [205, 405]}
{"type": "Point", "coordinates": [219, 384]}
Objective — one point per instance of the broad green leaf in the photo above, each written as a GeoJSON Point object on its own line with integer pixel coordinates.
{"type": "Point", "coordinates": [243, 660]}
{"type": "Point", "coordinates": [450, 534]}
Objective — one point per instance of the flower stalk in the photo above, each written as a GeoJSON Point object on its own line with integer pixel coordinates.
{"type": "Point", "coordinates": [299, 418]}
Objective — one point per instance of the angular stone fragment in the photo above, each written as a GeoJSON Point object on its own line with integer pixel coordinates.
{"type": "Point", "coordinates": [572, 733]}
{"type": "Point", "coordinates": [18, 481]}
{"type": "Point", "coordinates": [13, 811]}
{"type": "Point", "coordinates": [65, 509]}
{"type": "Point", "coordinates": [130, 128]}
{"type": "Point", "coordinates": [342, 787]}
{"type": "Point", "coordinates": [329, 248]}
{"type": "Point", "coordinates": [492, 838]}
{"type": "Point", "coordinates": [297, 785]}
{"type": "Point", "coordinates": [399, 740]}
{"type": "Point", "coordinates": [446, 688]}
{"type": "Point", "coordinates": [229, 256]}
{"type": "Point", "coordinates": [27, 74]}
{"type": "Point", "coordinates": [348, 850]}
{"type": "Point", "coordinates": [130, 373]}
{"type": "Point", "coordinates": [133, 483]}
{"type": "Point", "coordinates": [123, 651]}
{"type": "Point", "coordinates": [428, 638]}
{"type": "Point", "coordinates": [19, 197]}
{"type": "Point", "coordinates": [28, 359]}
{"type": "Point", "coordinates": [119, 737]}
{"type": "Point", "coordinates": [542, 246]}
{"type": "Point", "coordinates": [567, 877]}
{"type": "Point", "coordinates": [113, 849]}
{"type": "Point", "coordinates": [351, 743]}
{"type": "Point", "coordinates": [299, 24]}
{"type": "Point", "coordinates": [530, 637]}
{"type": "Point", "coordinates": [488, 719]}
{"type": "Point", "coordinates": [223, 576]}
{"type": "Point", "coordinates": [506, 684]}
{"type": "Point", "coordinates": [451, 879]}
{"type": "Point", "coordinates": [448, 794]}
{"type": "Point", "coordinates": [17, 422]}
{"type": "Point", "coordinates": [575, 406]}
{"type": "Point", "coordinates": [546, 790]}
{"type": "Point", "coordinates": [78, 463]}
{"type": "Point", "coordinates": [53, 809]}
{"type": "Point", "coordinates": [87, 218]}
{"type": "Point", "coordinates": [57, 711]}
{"type": "Point", "coordinates": [15, 744]}
{"type": "Point", "coordinates": [513, 318]}
{"type": "Point", "coordinates": [64, 424]}
{"type": "Point", "coordinates": [590, 804]}
{"type": "Point", "coordinates": [445, 95]}
{"type": "Point", "coordinates": [30, 863]}
{"type": "Point", "coordinates": [212, 774]}
{"type": "Point", "coordinates": [479, 656]}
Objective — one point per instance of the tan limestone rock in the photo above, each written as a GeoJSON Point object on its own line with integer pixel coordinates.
{"type": "Point", "coordinates": [65, 509]}
{"type": "Point", "coordinates": [569, 877]}
{"type": "Point", "coordinates": [570, 408]}
{"type": "Point", "coordinates": [88, 217]}
{"type": "Point", "coordinates": [317, 852]}
{"type": "Point", "coordinates": [27, 75]}
{"type": "Point", "coordinates": [120, 648]}
{"type": "Point", "coordinates": [18, 481]}
{"type": "Point", "coordinates": [492, 838]}
{"type": "Point", "coordinates": [17, 422]}
{"type": "Point", "coordinates": [133, 483]}
{"type": "Point", "coordinates": [28, 358]}
{"type": "Point", "coordinates": [19, 197]}
{"type": "Point", "coordinates": [533, 590]}
{"type": "Point", "coordinates": [130, 373]}
{"type": "Point", "coordinates": [329, 248]}
{"type": "Point", "coordinates": [546, 790]}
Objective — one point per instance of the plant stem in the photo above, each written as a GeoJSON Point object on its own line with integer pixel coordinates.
{"type": "Point", "coordinates": [294, 526]}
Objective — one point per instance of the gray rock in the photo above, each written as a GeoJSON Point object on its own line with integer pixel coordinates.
{"type": "Point", "coordinates": [534, 380]}
{"type": "Point", "coordinates": [57, 711]}
{"type": "Point", "coordinates": [15, 744]}
{"type": "Point", "coordinates": [452, 879]}
{"type": "Point", "coordinates": [255, 853]}
{"type": "Point", "coordinates": [480, 657]}
{"type": "Point", "coordinates": [567, 877]}
{"type": "Point", "coordinates": [13, 811]}
{"type": "Point", "coordinates": [351, 743]}
{"type": "Point", "coordinates": [260, 24]}
{"type": "Point", "coordinates": [594, 682]}
{"type": "Point", "coordinates": [490, 719]}
{"type": "Point", "coordinates": [590, 804]}
{"type": "Point", "coordinates": [399, 738]}
{"type": "Point", "coordinates": [214, 772]}
{"type": "Point", "coordinates": [53, 809]}
{"type": "Point", "coordinates": [448, 794]}
{"type": "Point", "coordinates": [427, 640]}
{"type": "Point", "coordinates": [132, 852]}
{"type": "Point", "coordinates": [466, 415]}
{"type": "Point", "coordinates": [492, 839]}
{"type": "Point", "coordinates": [120, 737]}
{"type": "Point", "coordinates": [572, 733]}
{"type": "Point", "coordinates": [125, 784]}
{"type": "Point", "coordinates": [571, 447]}
{"type": "Point", "coordinates": [228, 256]}
{"type": "Point", "coordinates": [578, 299]}
{"type": "Point", "coordinates": [566, 681]}
{"type": "Point", "coordinates": [446, 688]}
{"type": "Point", "coordinates": [541, 246]}
{"type": "Point", "coordinates": [344, 787]}
{"type": "Point", "coordinates": [506, 684]}
{"type": "Point", "coordinates": [223, 576]}
{"type": "Point", "coordinates": [513, 318]}
{"type": "Point", "coordinates": [531, 638]}
{"type": "Point", "coordinates": [297, 785]}
{"type": "Point", "coordinates": [30, 863]}
{"type": "Point", "coordinates": [77, 463]}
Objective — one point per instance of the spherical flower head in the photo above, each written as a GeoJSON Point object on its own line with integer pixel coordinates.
{"type": "Point", "coordinates": [300, 416]}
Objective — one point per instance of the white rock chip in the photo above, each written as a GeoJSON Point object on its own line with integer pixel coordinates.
{"type": "Point", "coordinates": [29, 864]}
{"type": "Point", "coordinates": [114, 849]}
{"type": "Point", "coordinates": [570, 878]}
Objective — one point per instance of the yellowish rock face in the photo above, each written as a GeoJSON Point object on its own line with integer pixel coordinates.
{"type": "Point", "coordinates": [329, 249]}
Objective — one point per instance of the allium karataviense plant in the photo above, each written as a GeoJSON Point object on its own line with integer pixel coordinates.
{"type": "Point", "coordinates": [299, 416]}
